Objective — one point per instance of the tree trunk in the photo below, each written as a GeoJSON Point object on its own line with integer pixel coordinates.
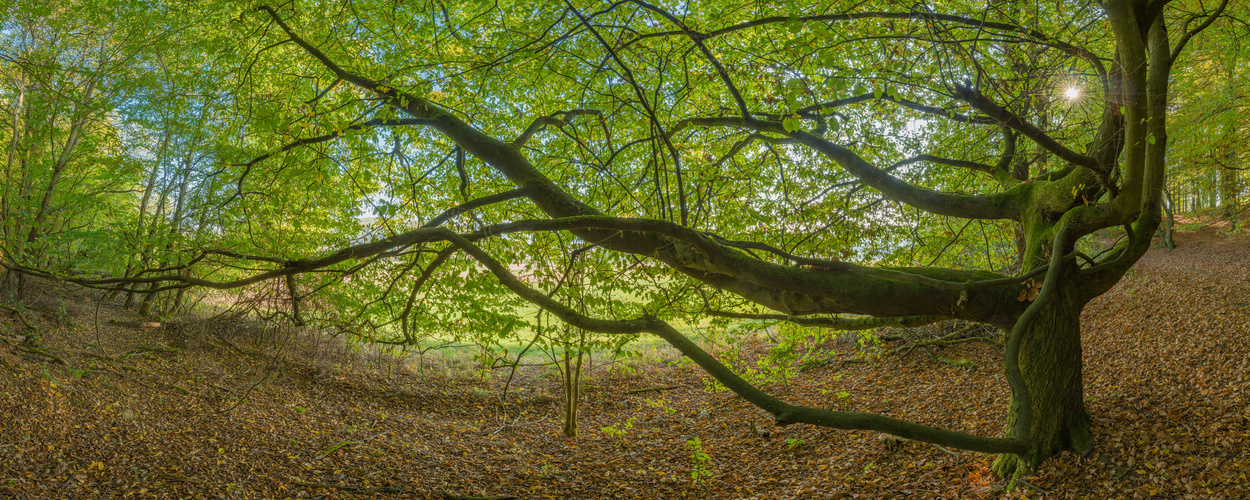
{"type": "Point", "coordinates": [1170, 221]}
{"type": "Point", "coordinates": [1230, 189]}
{"type": "Point", "coordinates": [572, 371]}
{"type": "Point", "coordinates": [145, 307]}
{"type": "Point", "coordinates": [292, 289]}
{"type": "Point", "coordinates": [1050, 362]}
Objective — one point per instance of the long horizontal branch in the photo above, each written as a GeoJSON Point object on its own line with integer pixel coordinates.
{"type": "Point", "coordinates": [829, 286]}
{"type": "Point", "coordinates": [377, 122]}
{"type": "Point", "coordinates": [836, 322]}
{"type": "Point", "coordinates": [784, 413]}
{"type": "Point", "coordinates": [716, 249]}
{"type": "Point", "coordinates": [953, 162]}
{"type": "Point", "coordinates": [816, 109]}
{"type": "Point", "coordinates": [783, 288]}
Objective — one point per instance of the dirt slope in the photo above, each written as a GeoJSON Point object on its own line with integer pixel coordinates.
{"type": "Point", "coordinates": [217, 410]}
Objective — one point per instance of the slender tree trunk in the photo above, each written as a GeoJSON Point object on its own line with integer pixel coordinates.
{"type": "Point", "coordinates": [10, 160]}
{"type": "Point", "coordinates": [175, 225]}
{"type": "Point", "coordinates": [570, 399]}
{"type": "Point", "coordinates": [78, 122]}
{"type": "Point", "coordinates": [572, 369]}
{"type": "Point", "coordinates": [1170, 221]}
{"type": "Point", "coordinates": [148, 187]}
{"type": "Point", "coordinates": [149, 249]}
{"type": "Point", "coordinates": [1230, 188]}
{"type": "Point", "coordinates": [292, 288]}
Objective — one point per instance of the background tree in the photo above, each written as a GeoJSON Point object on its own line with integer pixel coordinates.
{"type": "Point", "coordinates": [1209, 159]}
{"type": "Point", "coordinates": [63, 71]}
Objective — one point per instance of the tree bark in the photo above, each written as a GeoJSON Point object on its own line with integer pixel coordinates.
{"type": "Point", "coordinates": [1230, 187]}
{"type": "Point", "coordinates": [1050, 362]}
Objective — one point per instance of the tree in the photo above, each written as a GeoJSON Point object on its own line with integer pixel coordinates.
{"type": "Point", "coordinates": [1208, 160]}
{"type": "Point", "coordinates": [837, 164]}
{"type": "Point", "coordinates": [64, 71]}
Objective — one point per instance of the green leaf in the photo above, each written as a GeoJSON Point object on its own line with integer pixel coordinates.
{"type": "Point", "coordinates": [791, 124]}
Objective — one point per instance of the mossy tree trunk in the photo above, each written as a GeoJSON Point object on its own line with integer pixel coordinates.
{"type": "Point", "coordinates": [1050, 362]}
{"type": "Point", "coordinates": [1049, 356]}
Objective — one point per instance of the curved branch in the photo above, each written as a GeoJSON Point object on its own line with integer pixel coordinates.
{"type": "Point", "coordinates": [1037, 36]}
{"type": "Point", "coordinates": [968, 164]}
{"type": "Point", "coordinates": [377, 122]}
{"type": "Point", "coordinates": [784, 413]}
{"type": "Point", "coordinates": [998, 206]}
{"type": "Point", "coordinates": [818, 109]}
{"type": "Point", "coordinates": [1035, 134]}
{"type": "Point", "coordinates": [1189, 34]}
{"type": "Point", "coordinates": [698, 42]}
{"type": "Point", "coordinates": [474, 204]}
{"type": "Point", "coordinates": [557, 119]}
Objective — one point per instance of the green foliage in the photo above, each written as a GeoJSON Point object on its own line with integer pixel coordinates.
{"type": "Point", "coordinates": [662, 405]}
{"type": "Point", "coordinates": [1208, 132]}
{"type": "Point", "coordinates": [619, 430]}
{"type": "Point", "coordinates": [699, 461]}
{"type": "Point", "coordinates": [870, 345]}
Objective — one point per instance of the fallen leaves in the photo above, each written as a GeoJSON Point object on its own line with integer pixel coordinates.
{"type": "Point", "coordinates": [1166, 376]}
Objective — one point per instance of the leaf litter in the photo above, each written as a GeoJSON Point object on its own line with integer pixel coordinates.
{"type": "Point", "coordinates": [212, 410]}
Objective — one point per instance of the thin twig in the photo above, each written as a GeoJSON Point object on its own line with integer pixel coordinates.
{"type": "Point", "coordinates": [650, 389]}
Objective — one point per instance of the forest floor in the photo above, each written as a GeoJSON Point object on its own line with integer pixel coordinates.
{"type": "Point", "coordinates": [218, 408]}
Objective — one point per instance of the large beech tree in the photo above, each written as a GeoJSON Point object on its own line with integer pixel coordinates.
{"type": "Point", "coordinates": [765, 160]}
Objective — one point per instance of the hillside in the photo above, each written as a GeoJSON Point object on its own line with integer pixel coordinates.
{"type": "Point", "coordinates": [223, 407]}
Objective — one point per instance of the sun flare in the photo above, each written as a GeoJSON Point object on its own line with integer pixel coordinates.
{"type": "Point", "coordinates": [1073, 93]}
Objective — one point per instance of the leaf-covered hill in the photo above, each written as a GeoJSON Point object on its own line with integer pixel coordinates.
{"type": "Point", "coordinates": [228, 408]}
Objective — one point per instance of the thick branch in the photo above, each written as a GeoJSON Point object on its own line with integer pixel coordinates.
{"type": "Point", "coordinates": [783, 288]}
{"type": "Point", "coordinates": [999, 206]}
{"type": "Point", "coordinates": [837, 322]}
{"type": "Point", "coordinates": [1035, 134]}
{"type": "Point", "coordinates": [784, 413]}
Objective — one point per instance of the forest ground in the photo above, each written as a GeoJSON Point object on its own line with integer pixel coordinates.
{"type": "Point", "coordinates": [218, 408]}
